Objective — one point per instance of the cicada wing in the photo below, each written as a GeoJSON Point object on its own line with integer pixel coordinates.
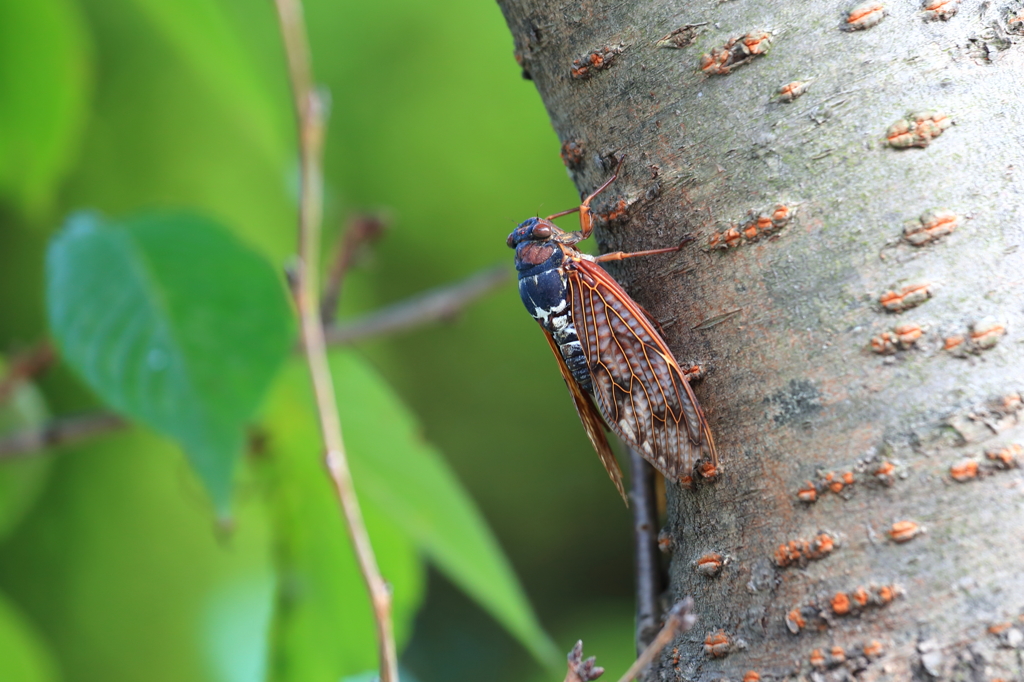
{"type": "Point", "coordinates": [638, 385]}
{"type": "Point", "coordinates": [591, 419]}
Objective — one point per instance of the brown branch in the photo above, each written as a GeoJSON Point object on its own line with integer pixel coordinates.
{"type": "Point", "coordinates": [433, 305]}
{"type": "Point", "coordinates": [310, 114]}
{"type": "Point", "coordinates": [362, 228]}
{"type": "Point", "coordinates": [680, 619]}
{"type": "Point", "coordinates": [441, 303]}
{"type": "Point", "coordinates": [648, 568]}
{"type": "Point", "coordinates": [26, 366]}
{"type": "Point", "coordinates": [64, 431]}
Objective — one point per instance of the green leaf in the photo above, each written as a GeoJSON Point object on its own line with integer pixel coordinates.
{"type": "Point", "coordinates": [21, 480]}
{"type": "Point", "coordinates": [23, 657]}
{"type": "Point", "coordinates": [173, 322]}
{"type": "Point", "coordinates": [323, 627]}
{"type": "Point", "coordinates": [406, 478]}
{"type": "Point", "coordinates": [44, 84]}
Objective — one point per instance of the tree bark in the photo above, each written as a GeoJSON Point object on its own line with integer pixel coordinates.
{"type": "Point", "coordinates": [784, 315]}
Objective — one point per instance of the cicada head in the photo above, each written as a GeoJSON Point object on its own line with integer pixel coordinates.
{"type": "Point", "coordinates": [536, 244]}
{"type": "Point", "coordinates": [532, 230]}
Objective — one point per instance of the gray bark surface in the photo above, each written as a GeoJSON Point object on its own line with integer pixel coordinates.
{"type": "Point", "coordinates": [784, 324]}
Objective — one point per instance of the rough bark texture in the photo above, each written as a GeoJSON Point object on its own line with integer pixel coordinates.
{"type": "Point", "coordinates": [784, 322]}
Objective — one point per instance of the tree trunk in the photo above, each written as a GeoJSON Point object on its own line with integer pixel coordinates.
{"type": "Point", "coordinates": [868, 510]}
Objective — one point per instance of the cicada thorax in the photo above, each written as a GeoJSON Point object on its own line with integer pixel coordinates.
{"type": "Point", "coordinates": [543, 288]}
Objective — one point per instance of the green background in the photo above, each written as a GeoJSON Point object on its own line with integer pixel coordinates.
{"type": "Point", "coordinates": [116, 570]}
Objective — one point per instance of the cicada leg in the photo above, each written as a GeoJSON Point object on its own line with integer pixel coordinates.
{"type": "Point", "coordinates": [586, 218]}
{"type": "Point", "coordinates": [622, 255]}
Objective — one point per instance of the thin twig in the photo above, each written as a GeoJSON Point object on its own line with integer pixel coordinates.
{"type": "Point", "coordinates": [648, 569]}
{"type": "Point", "coordinates": [362, 228]}
{"type": "Point", "coordinates": [26, 366]}
{"type": "Point", "coordinates": [65, 431]}
{"type": "Point", "coordinates": [680, 619]}
{"type": "Point", "coordinates": [310, 114]}
{"type": "Point", "coordinates": [580, 669]}
{"type": "Point", "coordinates": [441, 303]}
{"type": "Point", "coordinates": [433, 305]}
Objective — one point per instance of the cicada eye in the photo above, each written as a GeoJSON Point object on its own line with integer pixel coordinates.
{"type": "Point", "coordinates": [511, 241]}
{"type": "Point", "coordinates": [541, 231]}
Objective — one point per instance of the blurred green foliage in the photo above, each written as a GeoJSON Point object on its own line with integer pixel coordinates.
{"type": "Point", "coordinates": [20, 481]}
{"type": "Point", "coordinates": [44, 81]}
{"type": "Point", "coordinates": [26, 658]}
{"type": "Point", "coordinates": [322, 627]}
{"type": "Point", "coordinates": [401, 478]}
{"type": "Point", "coordinates": [113, 568]}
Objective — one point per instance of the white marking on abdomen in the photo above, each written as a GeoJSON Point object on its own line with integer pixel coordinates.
{"type": "Point", "coordinates": [564, 331]}
{"type": "Point", "coordinates": [541, 314]}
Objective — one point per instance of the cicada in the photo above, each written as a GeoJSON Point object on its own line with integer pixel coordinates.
{"type": "Point", "coordinates": [619, 370]}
